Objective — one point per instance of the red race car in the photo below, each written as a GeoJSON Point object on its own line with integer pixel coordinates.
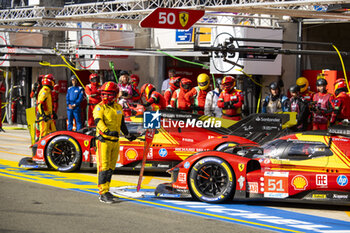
{"type": "Point", "coordinates": [173, 142]}
{"type": "Point", "coordinates": [307, 166]}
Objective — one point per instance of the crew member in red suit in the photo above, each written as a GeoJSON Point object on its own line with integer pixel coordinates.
{"type": "Point", "coordinates": [341, 103]}
{"type": "Point", "coordinates": [2, 90]}
{"type": "Point", "coordinates": [55, 93]}
{"type": "Point", "coordinates": [178, 100]}
{"type": "Point", "coordinates": [93, 94]}
{"type": "Point", "coordinates": [321, 106]}
{"type": "Point", "coordinates": [230, 99]}
{"type": "Point", "coordinates": [197, 95]}
{"type": "Point", "coordinates": [136, 96]}
{"type": "Point", "coordinates": [174, 85]}
{"type": "Point", "coordinates": [153, 97]}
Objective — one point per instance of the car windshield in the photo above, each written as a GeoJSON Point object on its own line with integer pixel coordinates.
{"type": "Point", "coordinates": [270, 149]}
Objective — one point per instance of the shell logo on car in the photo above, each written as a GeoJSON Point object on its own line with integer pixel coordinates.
{"type": "Point", "coordinates": [299, 182]}
{"type": "Point", "coordinates": [131, 154]}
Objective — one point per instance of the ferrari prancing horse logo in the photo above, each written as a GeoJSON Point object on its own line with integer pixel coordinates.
{"type": "Point", "coordinates": [183, 17]}
{"type": "Point", "coordinates": [241, 167]}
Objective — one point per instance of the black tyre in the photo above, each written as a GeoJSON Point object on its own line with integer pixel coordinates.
{"type": "Point", "coordinates": [212, 180]}
{"type": "Point", "coordinates": [63, 154]}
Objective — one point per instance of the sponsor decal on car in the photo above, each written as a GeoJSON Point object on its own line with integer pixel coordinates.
{"type": "Point", "coordinates": [299, 182]}
{"type": "Point", "coordinates": [182, 177]}
{"type": "Point", "coordinates": [253, 187]}
{"type": "Point", "coordinates": [86, 143]}
{"type": "Point", "coordinates": [339, 196]}
{"type": "Point", "coordinates": [187, 140]}
{"type": "Point", "coordinates": [43, 142]}
{"type": "Point", "coordinates": [267, 161]}
{"type": "Point", "coordinates": [187, 165]}
{"type": "Point", "coordinates": [86, 155]}
{"type": "Point", "coordinates": [180, 188]}
{"type": "Point", "coordinates": [40, 153]}
{"type": "Point", "coordinates": [321, 180]}
{"type": "Point", "coordinates": [131, 154]}
{"type": "Point", "coordinates": [163, 152]}
{"type": "Point", "coordinates": [275, 184]}
{"type": "Point", "coordinates": [241, 167]}
{"type": "Point", "coordinates": [240, 181]}
{"type": "Point", "coordinates": [150, 153]}
{"type": "Point", "coordinates": [342, 180]}
{"type": "Point", "coordinates": [319, 196]}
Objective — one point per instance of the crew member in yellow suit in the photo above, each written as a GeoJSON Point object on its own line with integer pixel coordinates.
{"type": "Point", "coordinates": [44, 108]}
{"type": "Point", "coordinates": [109, 120]}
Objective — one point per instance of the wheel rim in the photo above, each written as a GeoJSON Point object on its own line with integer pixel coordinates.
{"type": "Point", "coordinates": [212, 180]}
{"type": "Point", "coordinates": [63, 154]}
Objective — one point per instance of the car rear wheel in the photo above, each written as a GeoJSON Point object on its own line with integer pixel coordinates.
{"type": "Point", "coordinates": [63, 154]}
{"type": "Point", "coordinates": [212, 180]}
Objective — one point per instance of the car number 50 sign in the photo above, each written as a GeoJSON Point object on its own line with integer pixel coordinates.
{"type": "Point", "coordinates": [172, 18]}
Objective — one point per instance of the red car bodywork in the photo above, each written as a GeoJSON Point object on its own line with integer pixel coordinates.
{"type": "Point", "coordinates": [308, 166]}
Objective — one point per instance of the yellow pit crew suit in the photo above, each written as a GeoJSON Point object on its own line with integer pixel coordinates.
{"type": "Point", "coordinates": [46, 123]}
{"type": "Point", "coordinates": [109, 120]}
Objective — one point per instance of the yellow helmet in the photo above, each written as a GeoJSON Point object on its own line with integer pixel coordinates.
{"type": "Point", "coordinates": [303, 83]}
{"type": "Point", "coordinates": [203, 81]}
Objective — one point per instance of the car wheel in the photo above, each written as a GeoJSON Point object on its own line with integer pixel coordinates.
{"type": "Point", "coordinates": [63, 154]}
{"type": "Point", "coordinates": [212, 180]}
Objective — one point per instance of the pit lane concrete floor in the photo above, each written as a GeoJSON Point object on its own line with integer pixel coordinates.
{"type": "Point", "coordinates": [14, 145]}
{"type": "Point", "coordinates": [29, 207]}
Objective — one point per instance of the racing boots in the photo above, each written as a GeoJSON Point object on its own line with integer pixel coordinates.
{"type": "Point", "coordinates": [108, 198]}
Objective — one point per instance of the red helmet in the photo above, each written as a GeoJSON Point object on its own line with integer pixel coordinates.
{"type": "Point", "coordinates": [174, 82]}
{"type": "Point", "coordinates": [50, 76]}
{"type": "Point", "coordinates": [228, 83]}
{"type": "Point", "coordinates": [135, 79]}
{"type": "Point", "coordinates": [93, 76]}
{"type": "Point", "coordinates": [109, 92]}
{"type": "Point", "coordinates": [185, 83]}
{"type": "Point", "coordinates": [48, 81]}
{"type": "Point", "coordinates": [147, 90]}
{"type": "Point", "coordinates": [340, 86]}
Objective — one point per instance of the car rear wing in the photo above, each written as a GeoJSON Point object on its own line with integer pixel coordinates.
{"type": "Point", "coordinates": [343, 130]}
{"type": "Point", "coordinates": [263, 127]}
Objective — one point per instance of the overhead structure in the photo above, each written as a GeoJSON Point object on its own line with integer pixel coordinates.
{"type": "Point", "coordinates": [251, 13]}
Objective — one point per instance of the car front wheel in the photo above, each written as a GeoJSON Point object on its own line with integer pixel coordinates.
{"type": "Point", "coordinates": [212, 180]}
{"type": "Point", "coordinates": [63, 154]}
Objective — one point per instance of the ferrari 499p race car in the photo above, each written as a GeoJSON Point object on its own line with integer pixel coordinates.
{"type": "Point", "coordinates": [173, 142]}
{"type": "Point", "coordinates": [302, 166]}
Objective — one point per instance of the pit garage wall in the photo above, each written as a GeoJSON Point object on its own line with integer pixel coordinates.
{"type": "Point", "coordinates": [338, 34]}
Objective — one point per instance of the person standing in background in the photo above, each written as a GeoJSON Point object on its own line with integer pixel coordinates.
{"type": "Point", "coordinates": [275, 101]}
{"type": "Point", "coordinates": [74, 98]}
{"type": "Point", "coordinates": [44, 107]}
{"type": "Point", "coordinates": [211, 102]}
{"type": "Point", "coordinates": [230, 100]}
{"type": "Point", "coordinates": [196, 96]}
{"type": "Point", "coordinates": [321, 106]}
{"type": "Point", "coordinates": [165, 84]}
{"type": "Point", "coordinates": [93, 94]}
{"type": "Point", "coordinates": [174, 85]}
{"type": "Point", "coordinates": [2, 90]}
{"type": "Point", "coordinates": [178, 100]}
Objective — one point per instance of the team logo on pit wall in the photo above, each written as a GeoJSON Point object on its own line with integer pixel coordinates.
{"type": "Point", "coordinates": [183, 17]}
